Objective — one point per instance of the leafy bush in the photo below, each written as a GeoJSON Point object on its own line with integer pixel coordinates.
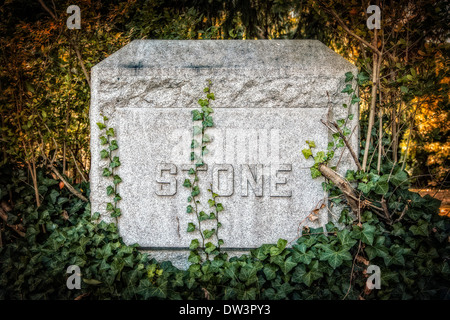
{"type": "Point", "coordinates": [413, 254]}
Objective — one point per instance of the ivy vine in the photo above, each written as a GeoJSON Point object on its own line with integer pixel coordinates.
{"type": "Point", "coordinates": [109, 153]}
{"type": "Point", "coordinates": [202, 119]}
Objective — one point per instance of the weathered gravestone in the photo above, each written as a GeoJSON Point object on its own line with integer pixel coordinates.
{"type": "Point", "coordinates": [270, 98]}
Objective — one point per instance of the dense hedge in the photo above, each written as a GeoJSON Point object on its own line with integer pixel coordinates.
{"type": "Point", "coordinates": [413, 255]}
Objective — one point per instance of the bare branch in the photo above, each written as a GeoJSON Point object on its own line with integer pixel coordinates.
{"type": "Point", "coordinates": [18, 228]}
{"type": "Point", "coordinates": [70, 187]}
{"type": "Point", "coordinates": [343, 185]}
{"type": "Point", "coordinates": [47, 9]}
{"type": "Point", "coordinates": [80, 59]}
{"type": "Point", "coordinates": [349, 147]}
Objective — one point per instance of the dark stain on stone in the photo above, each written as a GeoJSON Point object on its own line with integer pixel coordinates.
{"type": "Point", "coordinates": [135, 66]}
{"type": "Point", "coordinates": [202, 66]}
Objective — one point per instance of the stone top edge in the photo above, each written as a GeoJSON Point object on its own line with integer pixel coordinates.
{"type": "Point", "coordinates": [307, 55]}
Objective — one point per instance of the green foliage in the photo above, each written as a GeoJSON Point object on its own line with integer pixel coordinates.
{"type": "Point", "coordinates": [199, 150]}
{"type": "Point", "coordinates": [411, 253]}
{"type": "Point", "coordinates": [114, 162]}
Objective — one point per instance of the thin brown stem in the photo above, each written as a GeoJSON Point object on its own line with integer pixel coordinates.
{"type": "Point", "coordinates": [343, 185]}
{"type": "Point", "coordinates": [372, 103]}
{"type": "Point", "coordinates": [47, 9]}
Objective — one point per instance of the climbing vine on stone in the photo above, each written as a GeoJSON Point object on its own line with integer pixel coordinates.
{"type": "Point", "coordinates": [202, 119]}
{"type": "Point", "coordinates": [111, 146]}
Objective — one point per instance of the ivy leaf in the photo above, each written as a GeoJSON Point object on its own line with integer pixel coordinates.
{"type": "Point", "coordinates": [421, 229]}
{"type": "Point", "coordinates": [206, 138]}
{"type": "Point", "coordinates": [194, 144]}
{"type": "Point", "coordinates": [307, 153]}
{"type": "Point", "coordinates": [109, 190]}
{"type": "Point", "coordinates": [283, 289]}
{"type": "Point", "coordinates": [346, 131]}
{"type": "Point", "coordinates": [334, 257]}
{"type": "Point", "coordinates": [194, 244]}
{"type": "Point", "coordinates": [103, 140]}
{"type": "Point", "coordinates": [315, 172]}
{"type": "Point", "coordinates": [301, 275]}
{"type": "Point", "coordinates": [189, 209]}
{"type": "Point", "coordinates": [376, 251]}
{"type": "Point", "coordinates": [302, 257]}
{"type": "Point", "coordinates": [208, 122]}
{"type": "Point", "coordinates": [366, 187]}
{"type": "Point", "coordinates": [207, 110]}
{"type": "Point", "coordinates": [197, 130]}
{"type": "Point", "coordinates": [396, 256]}
{"type": "Point", "coordinates": [211, 202]}
{"type": "Point", "coordinates": [367, 233]}
{"type": "Point", "coordinates": [363, 77]}
{"type": "Point", "coordinates": [116, 213]}
{"type": "Point", "coordinates": [203, 102]}
{"type": "Point", "coordinates": [202, 216]}
{"type": "Point", "coordinates": [345, 238]}
{"type": "Point", "coordinates": [348, 76]}
{"type": "Point", "coordinates": [106, 172]}
{"type": "Point", "coordinates": [355, 99]}
{"type": "Point", "coordinates": [101, 126]}
{"type": "Point", "coordinates": [286, 265]}
{"type": "Point", "coordinates": [262, 252]}
{"type": "Point", "coordinates": [320, 157]}
{"type": "Point", "coordinates": [187, 183]}
{"type": "Point", "coordinates": [399, 178]}
{"type": "Point", "coordinates": [113, 145]}
{"type": "Point", "coordinates": [340, 122]}
{"type": "Point", "coordinates": [248, 273]}
{"type": "Point", "coordinates": [209, 247]}
{"type": "Point", "coordinates": [104, 154]}
{"type": "Point", "coordinates": [53, 196]}
{"type": "Point", "coordinates": [348, 89]}
{"type": "Point", "coordinates": [276, 250]}
{"type": "Point", "coordinates": [219, 207]}
{"type": "Point", "coordinates": [208, 233]}
{"type": "Point", "coordinates": [270, 271]}
{"type": "Point", "coordinates": [196, 115]}
{"type": "Point", "coordinates": [195, 191]}
{"type": "Point", "coordinates": [191, 171]}
{"type": "Point", "coordinates": [110, 132]}
{"type": "Point", "coordinates": [115, 162]}
{"type": "Point", "coordinates": [117, 179]}
{"type": "Point", "coordinates": [117, 198]}
{"type": "Point", "coordinates": [191, 227]}
{"type": "Point", "coordinates": [194, 258]}
{"type": "Point", "coordinates": [311, 144]}
{"type": "Point", "coordinates": [381, 187]}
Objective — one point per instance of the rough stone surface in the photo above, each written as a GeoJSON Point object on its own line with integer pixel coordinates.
{"type": "Point", "coordinates": [270, 98]}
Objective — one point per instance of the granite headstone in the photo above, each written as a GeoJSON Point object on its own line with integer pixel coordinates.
{"type": "Point", "coordinates": [270, 98]}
